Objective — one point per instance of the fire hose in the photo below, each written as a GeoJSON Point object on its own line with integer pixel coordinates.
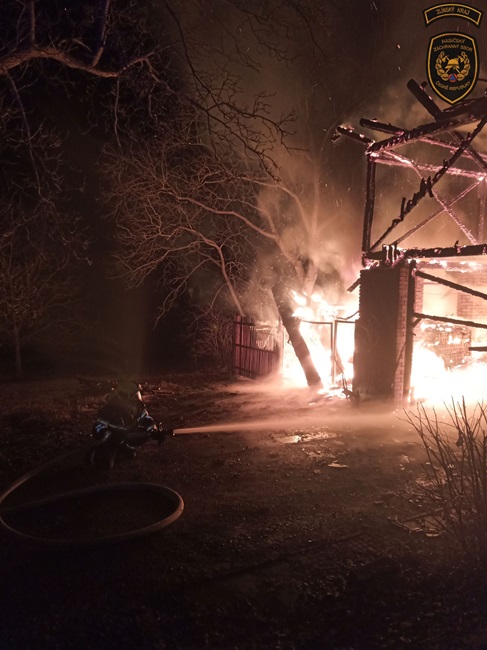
{"type": "Point", "coordinates": [175, 500]}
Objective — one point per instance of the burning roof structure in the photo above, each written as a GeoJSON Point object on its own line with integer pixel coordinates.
{"type": "Point", "coordinates": [404, 268]}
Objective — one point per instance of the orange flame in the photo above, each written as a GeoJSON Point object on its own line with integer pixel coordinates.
{"type": "Point", "coordinates": [436, 384]}
{"type": "Point", "coordinates": [330, 340]}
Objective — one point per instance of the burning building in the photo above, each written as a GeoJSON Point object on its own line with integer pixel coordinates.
{"type": "Point", "coordinates": [423, 284]}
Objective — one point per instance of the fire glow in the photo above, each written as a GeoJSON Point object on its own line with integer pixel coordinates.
{"type": "Point", "coordinates": [443, 366]}
{"type": "Point", "coordinates": [328, 331]}
{"type": "Point", "coordinates": [437, 380]}
{"type": "Point", "coordinates": [449, 359]}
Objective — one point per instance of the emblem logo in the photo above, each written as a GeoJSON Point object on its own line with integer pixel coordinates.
{"type": "Point", "coordinates": [452, 65]}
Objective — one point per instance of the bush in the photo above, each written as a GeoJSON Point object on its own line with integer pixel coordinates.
{"type": "Point", "coordinates": [211, 335]}
{"type": "Point", "coordinates": [457, 474]}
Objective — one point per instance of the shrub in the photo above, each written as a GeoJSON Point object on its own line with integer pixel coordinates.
{"type": "Point", "coordinates": [211, 335]}
{"type": "Point", "coordinates": [456, 449]}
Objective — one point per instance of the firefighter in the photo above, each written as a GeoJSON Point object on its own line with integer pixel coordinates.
{"type": "Point", "coordinates": [123, 425]}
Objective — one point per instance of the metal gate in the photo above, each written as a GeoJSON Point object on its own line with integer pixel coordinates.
{"type": "Point", "coordinates": [257, 349]}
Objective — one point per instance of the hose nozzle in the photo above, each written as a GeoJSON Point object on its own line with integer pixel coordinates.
{"type": "Point", "coordinates": [160, 433]}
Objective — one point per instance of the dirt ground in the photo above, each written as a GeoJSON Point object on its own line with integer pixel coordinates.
{"type": "Point", "coordinates": [304, 527]}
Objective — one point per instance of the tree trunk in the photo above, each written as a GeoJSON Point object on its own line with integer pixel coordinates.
{"type": "Point", "coordinates": [18, 353]}
{"type": "Point", "coordinates": [291, 326]}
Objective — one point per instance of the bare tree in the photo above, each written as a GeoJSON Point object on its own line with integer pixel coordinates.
{"type": "Point", "coordinates": [38, 293]}
{"type": "Point", "coordinates": [176, 76]}
{"type": "Point", "coordinates": [58, 57]}
{"type": "Point", "coordinates": [209, 188]}
{"type": "Point", "coordinates": [179, 208]}
{"type": "Point", "coordinates": [62, 65]}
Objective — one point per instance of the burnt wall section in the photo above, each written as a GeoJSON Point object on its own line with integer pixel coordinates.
{"type": "Point", "coordinates": [383, 333]}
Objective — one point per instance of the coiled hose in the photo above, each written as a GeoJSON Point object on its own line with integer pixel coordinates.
{"type": "Point", "coordinates": [173, 497]}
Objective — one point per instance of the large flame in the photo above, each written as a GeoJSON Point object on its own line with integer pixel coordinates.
{"type": "Point", "coordinates": [329, 334]}
{"type": "Point", "coordinates": [436, 382]}
{"type": "Point", "coordinates": [444, 367]}
{"type": "Point", "coordinates": [439, 375]}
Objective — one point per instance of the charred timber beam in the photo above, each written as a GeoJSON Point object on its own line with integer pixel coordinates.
{"type": "Point", "coordinates": [476, 107]}
{"type": "Point", "coordinates": [348, 131]}
{"type": "Point", "coordinates": [426, 185]}
{"type": "Point", "coordinates": [452, 147]}
{"type": "Point", "coordinates": [418, 133]}
{"type": "Point", "coordinates": [453, 321]}
{"type": "Point", "coordinates": [424, 99]}
{"type": "Point", "coordinates": [452, 285]}
{"type": "Point", "coordinates": [432, 108]}
{"type": "Point", "coordinates": [423, 223]}
{"type": "Point", "coordinates": [470, 151]}
{"type": "Point", "coordinates": [481, 159]}
{"type": "Point", "coordinates": [353, 286]}
{"type": "Point", "coordinates": [435, 111]}
{"type": "Point", "coordinates": [375, 125]}
{"type": "Point", "coordinates": [446, 206]}
{"type": "Point", "coordinates": [419, 253]}
{"type": "Point", "coordinates": [459, 223]}
{"type": "Point", "coordinates": [401, 161]}
{"type": "Point", "coordinates": [482, 201]}
{"type": "Point", "coordinates": [390, 128]}
{"type": "Point", "coordinates": [369, 204]}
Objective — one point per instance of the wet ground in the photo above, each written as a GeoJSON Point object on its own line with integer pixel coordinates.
{"type": "Point", "coordinates": [303, 528]}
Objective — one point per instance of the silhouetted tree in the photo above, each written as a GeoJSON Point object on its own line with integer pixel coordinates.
{"type": "Point", "coordinates": [208, 190]}
{"type": "Point", "coordinates": [39, 291]}
{"type": "Point", "coordinates": [178, 85]}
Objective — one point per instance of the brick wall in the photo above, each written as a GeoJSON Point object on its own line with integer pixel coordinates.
{"type": "Point", "coordinates": [382, 354]}
{"type": "Point", "coordinates": [400, 379]}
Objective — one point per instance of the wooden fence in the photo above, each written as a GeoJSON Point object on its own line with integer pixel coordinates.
{"type": "Point", "coordinates": [257, 349]}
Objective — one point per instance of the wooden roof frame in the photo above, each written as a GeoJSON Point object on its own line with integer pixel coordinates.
{"type": "Point", "coordinates": [473, 111]}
